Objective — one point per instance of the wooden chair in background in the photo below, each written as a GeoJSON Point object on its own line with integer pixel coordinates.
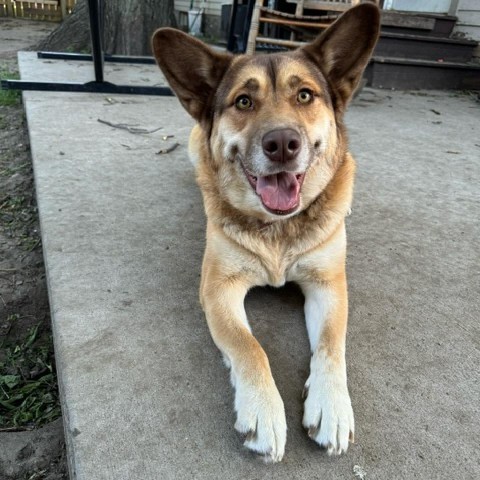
{"type": "Point", "coordinates": [299, 24]}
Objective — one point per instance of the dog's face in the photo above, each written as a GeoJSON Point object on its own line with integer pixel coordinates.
{"type": "Point", "coordinates": [272, 121]}
{"type": "Point", "coordinates": [272, 133]}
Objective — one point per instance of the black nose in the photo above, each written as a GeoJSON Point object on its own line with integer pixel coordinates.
{"type": "Point", "coordinates": [281, 145]}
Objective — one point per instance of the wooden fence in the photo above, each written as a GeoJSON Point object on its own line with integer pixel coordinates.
{"type": "Point", "coordinates": [50, 10]}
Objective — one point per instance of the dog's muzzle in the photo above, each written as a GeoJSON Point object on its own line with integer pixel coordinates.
{"type": "Point", "coordinates": [279, 191]}
{"type": "Point", "coordinates": [282, 145]}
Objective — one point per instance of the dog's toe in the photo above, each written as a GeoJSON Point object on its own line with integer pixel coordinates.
{"type": "Point", "coordinates": [261, 418]}
{"type": "Point", "coordinates": [328, 419]}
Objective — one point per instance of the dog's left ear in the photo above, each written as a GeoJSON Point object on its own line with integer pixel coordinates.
{"type": "Point", "coordinates": [192, 69]}
{"type": "Point", "coordinates": [343, 50]}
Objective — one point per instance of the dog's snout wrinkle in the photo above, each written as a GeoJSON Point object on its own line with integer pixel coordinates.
{"type": "Point", "coordinates": [282, 145]}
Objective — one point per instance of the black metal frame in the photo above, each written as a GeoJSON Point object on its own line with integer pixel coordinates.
{"type": "Point", "coordinates": [236, 44]}
{"type": "Point", "coordinates": [99, 85]}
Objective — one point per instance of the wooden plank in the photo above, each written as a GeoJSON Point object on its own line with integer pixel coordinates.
{"type": "Point", "coordinates": [282, 43]}
{"type": "Point", "coordinates": [469, 18]}
{"type": "Point", "coordinates": [254, 26]}
{"type": "Point", "coordinates": [7, 9]}
{"type": "Point", "coordinates": [45, 13]}
{"type": "Point", "coordinates": [332, 5]}
{"type": "Point", "coordinates": [63, 7]}
{"type": "Point", "coordinates": [314, 18]}
{"type": "Point", "coordinates": [471, 31]}
{"type": "Point", "coordinates": [395, 19]}
{"type": "Point", "coordinates": [468, 5]}
{"type": "Point", "coordinates": [40, 3]}
{"type": "Point", "coordinates": [298, 23]}
{"type": "Point", "coordinates": [39, 10]}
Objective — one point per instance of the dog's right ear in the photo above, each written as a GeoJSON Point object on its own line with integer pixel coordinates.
{"type": "Point", "coordinates": [192, 69]}
{"type": "Point", "coordinates": [343, 50]}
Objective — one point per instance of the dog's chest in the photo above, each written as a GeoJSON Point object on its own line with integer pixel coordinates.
{"type": "Point", "coordinates": [276, 264]}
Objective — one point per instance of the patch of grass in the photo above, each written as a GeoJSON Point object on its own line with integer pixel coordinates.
{"type": "Point", "coordinates": [12, 210]}
{"type": "Point", "coordinates": [10, 170]}
{"type": "Point", "coordinates": [17, 216]}
{"type": "Point", "coordinates": [28, 384]}
{"type": "Point", "coordinates": [29, 243]}
{"type": "Point", "coordinates": [9, 97]}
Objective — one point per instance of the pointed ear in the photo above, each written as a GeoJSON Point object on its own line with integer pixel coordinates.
{"type": "Point", "coordinates": [192, 69]}
{"type": "Point", "coordinates": [344, 49]}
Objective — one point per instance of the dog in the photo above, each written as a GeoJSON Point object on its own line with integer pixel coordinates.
{"type": "Point", "coordinates": [272, 162]}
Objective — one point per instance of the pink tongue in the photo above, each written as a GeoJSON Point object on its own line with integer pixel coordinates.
{"type": "Point", "coordinates": [279, 192]}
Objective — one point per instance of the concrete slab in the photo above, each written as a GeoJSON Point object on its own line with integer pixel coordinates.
{"type": "Point", "coordinates": [145, 394]}
{"type": "Point", "coordinates": [46, 70]}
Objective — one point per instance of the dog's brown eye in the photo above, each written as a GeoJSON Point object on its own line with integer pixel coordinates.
{"type": "Point", "coordinates": [243, 102]}
{"type": "Point", "coordinates": [304, 96]}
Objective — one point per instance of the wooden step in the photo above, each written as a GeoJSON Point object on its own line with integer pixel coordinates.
{"type": "Point", "coordinates": [401, 45]}
{"type": "Point", "coordinates": [408, 74]}
{"type": "Point", "coordinates": [436, 25]}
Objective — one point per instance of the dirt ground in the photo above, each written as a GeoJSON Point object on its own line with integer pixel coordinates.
{"type": "Point", "coordinates": [26, 452]}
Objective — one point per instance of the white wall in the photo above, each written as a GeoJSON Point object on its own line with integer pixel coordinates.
{"type": "Point", "coordinates": [468, 13]}
{"type": "Point", "coordinates": [433, 6]}
{"type": "Point", "coordinates": [211, 7]}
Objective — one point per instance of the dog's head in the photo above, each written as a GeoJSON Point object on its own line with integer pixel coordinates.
{"type": "Point", "coordinates": [273, 122]}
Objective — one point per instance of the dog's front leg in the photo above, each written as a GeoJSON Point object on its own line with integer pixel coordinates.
{"type": "Point", "coordinates": [259, 407]}
{"type": "Point", "coordinates": [328, 414]}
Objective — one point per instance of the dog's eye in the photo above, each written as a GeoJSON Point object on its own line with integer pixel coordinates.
{"type": "Point", "coordinates": [243, 102]}
{"type": "Point", "coordinates": [304, 96]}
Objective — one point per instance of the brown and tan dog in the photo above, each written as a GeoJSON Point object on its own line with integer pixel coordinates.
{"type": "Point", "coordinates": [273, 165]}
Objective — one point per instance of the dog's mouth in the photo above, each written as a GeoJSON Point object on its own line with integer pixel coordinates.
{"type": "Point", "coordinates": [280, 192]}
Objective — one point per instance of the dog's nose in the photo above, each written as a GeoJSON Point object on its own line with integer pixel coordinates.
{"type": "Point", "coordinates": [281, 145]}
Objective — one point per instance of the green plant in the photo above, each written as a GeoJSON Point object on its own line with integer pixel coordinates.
{"type": "Point", "coordinates": [28, 385]}
{"type": "Point", "coordinates": [9, 97]}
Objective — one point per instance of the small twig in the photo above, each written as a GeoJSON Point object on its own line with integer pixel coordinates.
{"type": "Point", "coordinates": [168, 149]}
{"type": "Point", "coordinates": [128, 147]}
{"type": "Point", "coordinates": [16, 429]}
{"type": "Point", "coordinates": [8, 269]}
{"type": "Point", "coordinates": [128, 128]}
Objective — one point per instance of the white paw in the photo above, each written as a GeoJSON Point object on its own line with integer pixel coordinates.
{"type": "Point", "coordinates": [328, 414]}
{"type": "Point", "coordinates": [261, 417]}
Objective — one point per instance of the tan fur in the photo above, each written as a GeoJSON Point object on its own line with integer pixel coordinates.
{"type": "Point", "coordinates": [247, 243]}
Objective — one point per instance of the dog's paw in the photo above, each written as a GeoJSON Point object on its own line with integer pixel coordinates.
{"type": "Point", "coordinates": [328, 414]}
{"type": "Point", "coordinates": [261, 417]}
